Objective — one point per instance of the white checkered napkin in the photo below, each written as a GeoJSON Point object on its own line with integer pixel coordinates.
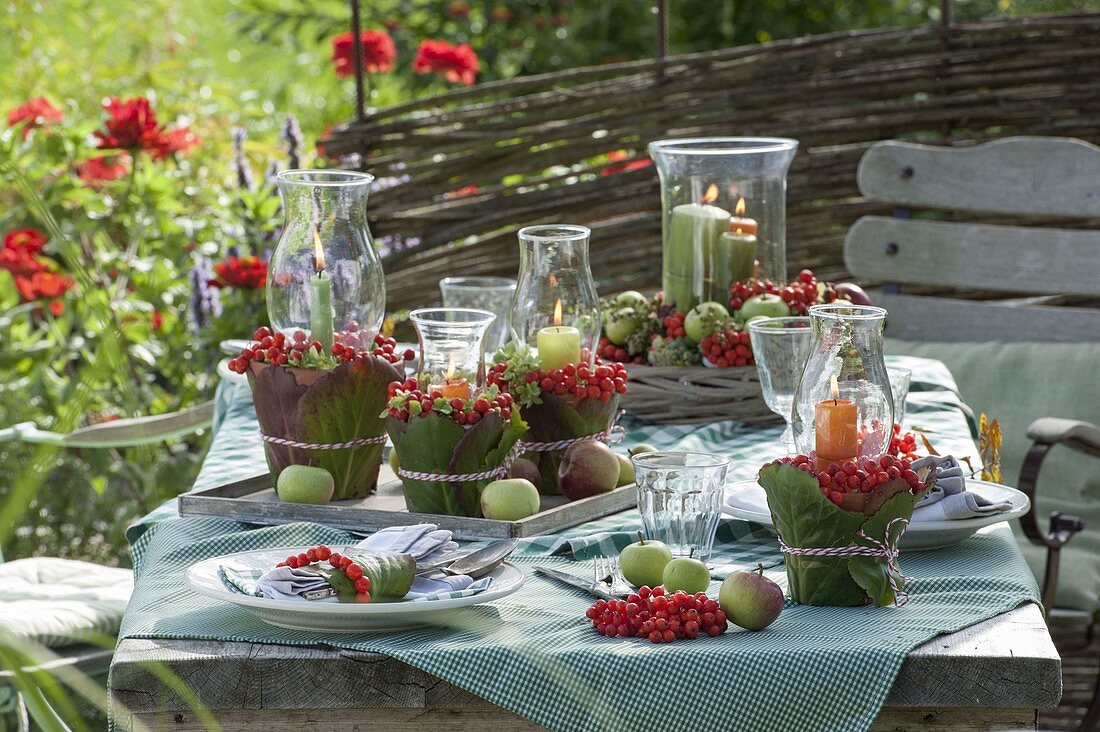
{"type": "Point", "coordinates": [287, 583]}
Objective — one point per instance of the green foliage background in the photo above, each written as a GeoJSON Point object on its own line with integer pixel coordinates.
{"type": "Point", "coordinates": [215, 65]}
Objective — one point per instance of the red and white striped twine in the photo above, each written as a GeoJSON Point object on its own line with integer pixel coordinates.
{"type": "Point", "coordinates": [887, 549]}
{"type": "Point", "coordinates": [612, 434]}
{"type": "Point", "coordinates": [358, 442]}
{"type": "Point", "coordinates": [492, 473]}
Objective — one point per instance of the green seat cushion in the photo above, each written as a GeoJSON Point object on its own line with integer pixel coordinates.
{"type": "Point", "coordinates": [58, 602]}
{"type": "Point", "coordinates": [1020, 382]}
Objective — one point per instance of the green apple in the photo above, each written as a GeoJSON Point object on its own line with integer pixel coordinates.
{"type": "Point", "coordinates": [687, 574]}
{"type": "Point", "coordinates": [643, 562]}
{"type": "Point", "coordinates": [640, 448]}
{"type": "Point", "coordinates": [700, 319]}
{"type": "Point", "coordinates": [630, 299]}
{"type": "Point", "coordinates": [626, 471]}
{"type": "Point", "coordinates": [305, 484]}
{"type": "Point", "coordinates": [509, 499]}
{"type": "Point", "coordinates": [394, 464]}
{"type": "Point", "coordinates": [750, 600]}
{"type": "Point", "coordinates": [771, 306]}
{"type": "Point", "coordinates": [621, 325]}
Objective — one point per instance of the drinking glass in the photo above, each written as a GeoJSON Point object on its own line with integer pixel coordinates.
{"type": "Point", "coordinates": [483, 293]}
{"type": "Point", "coordinates": [680, 499]}
{"type": "Point", "coordinates": [781, 347]}
{"type": "Point", "coordinates": [899, 385]}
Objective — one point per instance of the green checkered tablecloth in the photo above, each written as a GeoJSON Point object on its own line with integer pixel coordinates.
{"type": "Point", "coordinates": [534, 652]}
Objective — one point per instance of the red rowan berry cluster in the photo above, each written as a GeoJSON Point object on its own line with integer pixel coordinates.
{"type": "Point", "coordinates": [299, 350]}
{"type": "Point", "coordinates": [662, 618]}
{"type": "Point", "coordinates": [727, 348]}
{"type": "Point", "coordinates": [863, 475]}
{"type": "Point", "coordinates": [407, 401]}
{"type": "Point", "coordinates": [799, 295]}
{"type": "Point", "coordinates": [338, 561]}
{"type": "Point", "coordinates": [902, 445]}
{"type": "Point", "coordinates": [610, 352]}
{"type": "Point", "coordinates": [601, 381]}
{"type": "Point", "coordinates": [674, 325]}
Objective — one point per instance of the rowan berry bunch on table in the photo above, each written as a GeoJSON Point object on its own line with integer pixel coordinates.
{"type": "Point", "coordinates": [660, 617]}
{"type": "Point", "coordinates": [408, 401]}
{"type": "Point", "coordinates": [300, 351]}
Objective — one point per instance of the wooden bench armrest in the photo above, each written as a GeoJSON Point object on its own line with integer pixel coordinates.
{"type": "Point", "coordinates": [1081, 436]}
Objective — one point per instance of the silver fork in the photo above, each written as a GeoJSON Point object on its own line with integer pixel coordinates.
{"type": "Point", "coordinates": [607, 573]}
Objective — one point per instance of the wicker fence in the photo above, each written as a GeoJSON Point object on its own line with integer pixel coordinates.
{"type": "Point", "coordinates": [528, 144]}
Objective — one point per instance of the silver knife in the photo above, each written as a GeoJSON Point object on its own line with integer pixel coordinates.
{"type": "Point", "coordinates": [592, 588]}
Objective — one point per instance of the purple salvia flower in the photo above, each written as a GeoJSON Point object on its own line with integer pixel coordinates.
{"type": "Point", "coordinates": [292, 133]}
{"type": "Point", "coordinates": [240, 160]}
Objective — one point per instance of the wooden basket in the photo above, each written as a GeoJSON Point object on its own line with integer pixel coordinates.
{"type": "Point", "coordinates": [684, 395]}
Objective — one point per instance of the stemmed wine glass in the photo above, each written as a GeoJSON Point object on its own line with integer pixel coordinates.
{"type": "Point", "coordinates": [781, 347]}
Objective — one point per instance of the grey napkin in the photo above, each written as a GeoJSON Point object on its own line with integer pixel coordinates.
{"type": "Point", "coordinates": [949, 499]}
{"type": "Point", "coordinates": [423, 542]}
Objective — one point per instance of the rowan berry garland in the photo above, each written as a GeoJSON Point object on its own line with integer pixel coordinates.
{"type": "Point", "coordinates": [339, 562]}
{"type": "Point", "coordinates": [408, 401]}
{"type": "Point", "coordinates": [517, 372]}
{"type": "Point", "coordinates": [864, 475]}
{"type": "Point", "coordinates": [300, 351]}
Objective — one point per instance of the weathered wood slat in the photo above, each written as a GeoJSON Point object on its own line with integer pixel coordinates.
{"type": "Point", "coordinates": [917, 318]}
{"type": "Point", "coordinates": [1035, 175]}
{"type": "Point", "coordinates": [1003, 258]}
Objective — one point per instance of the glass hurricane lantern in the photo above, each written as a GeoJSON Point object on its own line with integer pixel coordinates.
{"type": "Point", "coordinates": [724, 209]}
{"type": "Point", "coordinates": [451, 349]}
{"type": "Point", "coordinates": [325, 277]}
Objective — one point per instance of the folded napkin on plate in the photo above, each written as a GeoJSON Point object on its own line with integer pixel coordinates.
{"type": "Point", "coordinates": [423, 542]}
{"type": "Point", "coordinates": [280, 583]}
{"type": "Point", "coordinates": [948, 499]}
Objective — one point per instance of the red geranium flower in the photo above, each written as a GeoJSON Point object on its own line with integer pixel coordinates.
{"type": "Point", "coordinates": [132, 125]}
{"type": "Point", "coordinates": [103, 169]}
{"type": "Point", "coordinates": [244, 273]}
{"type": "Point", "coordinates": [57, 307]}
{"type": "Point", "coordinates": [35, 113]}
{"type": "Point", "coordinates": [617, 155]}
{"type": "Point", "coordinates": [42, 285]}
{"type": "Point", "coordinates": [28, 240]}
{"type": "Point", "coordinates": [157, 320]}
{"type": "Point", "coordinates": [378, 52]}
{"type": "Point", "coordinates": [170, 142]}
{"type": "Point", "coordinates": [456, 63]}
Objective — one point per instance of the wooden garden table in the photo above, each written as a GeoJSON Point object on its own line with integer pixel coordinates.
{"type": "Point", "coordinates": [990, 676]}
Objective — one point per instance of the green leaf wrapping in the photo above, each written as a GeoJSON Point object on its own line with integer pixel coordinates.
{"type": "Point", "coordinates": [434, 443]}
{"type": "Point", "coordinates": [325, 407]}
{"type": "Point", "coordinates": [564, 418]}
{"type": "Point", "coordinates": [805, 518]}
{"type": "Point", "coordinates": [391, 574]}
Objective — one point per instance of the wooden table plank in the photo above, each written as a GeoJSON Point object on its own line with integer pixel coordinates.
{"type": "Point", "coordinates": [993, 675]}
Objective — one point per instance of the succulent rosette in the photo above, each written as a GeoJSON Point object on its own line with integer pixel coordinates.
{"type": "Point", "coordinates": [839, 526]}
{"type": "Point", "coordinates": [563, 404]}
{"type": "Point", "coordinates": [321, 409]}
{"type": "Point", "coordinates": [437, 438]}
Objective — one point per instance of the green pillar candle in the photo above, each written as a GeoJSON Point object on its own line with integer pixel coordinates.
{"type": "Point", "coordinates": [320, 298]}
{"type": "Point", "coordinates": [734, 257]}
{"type": "Point", "coordinates": [689, 246]}
{"type": "Point", "coordinates": [558, 345]}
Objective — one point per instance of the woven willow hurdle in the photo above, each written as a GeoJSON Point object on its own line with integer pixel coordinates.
{"type": "Point", "coordinates": [836, 93]}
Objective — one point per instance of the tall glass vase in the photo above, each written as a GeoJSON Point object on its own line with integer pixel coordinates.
{"type": "Point", "coordinates": [724, 214]}
{"type": "Point", "coordinates": [843, 406]}
{"type": "Point", "coordinates": [556, 310]}
{"type": "Point", "coordinates": [325, 277]}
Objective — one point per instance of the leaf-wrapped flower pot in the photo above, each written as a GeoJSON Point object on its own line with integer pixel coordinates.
{"type": "Point", "coordinates": [840, 536]}
{"type": "Point", "coordinates": [438, 440]}
{"type": "Point", "coordinates": [320, 409]}
{"type": "Point", "coordinates": [561, 406]}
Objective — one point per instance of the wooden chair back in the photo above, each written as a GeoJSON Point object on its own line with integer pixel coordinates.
{"type": "Point", "coordinates": [934, 241]}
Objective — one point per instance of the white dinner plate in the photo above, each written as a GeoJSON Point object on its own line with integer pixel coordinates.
{"type": "Point", "coordinates": [340, 617]}
{"type": "Point", "coordinates": [747, 500]}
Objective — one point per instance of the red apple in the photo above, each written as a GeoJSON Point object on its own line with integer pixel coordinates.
{"type": "Point", "coordinates": [853, 292]}
{"type": "Point", "coordinates": [526, 469]}
{"type": "Point", "coordinates": [587, 468]}
{"type": "Point", "coordinates": [750, 599]}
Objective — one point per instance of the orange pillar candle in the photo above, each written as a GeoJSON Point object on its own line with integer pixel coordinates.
{"type": "Point", "coordinates": [836, 428]}
{"type": "Point", "coordinates": [455, 389]}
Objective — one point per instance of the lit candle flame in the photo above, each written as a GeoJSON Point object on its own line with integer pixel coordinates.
{"type": "Point", "coordinates": [450, 367]}
{"type": "Point", "coordinates": [557, 312]}
{"type": "Point", "coordinates": [712, 193]}
{"type": "Point", "coordinates": [834, 387]}
{"type": "Point", "coordinates": [318, 253]}
{"type": "Point", "coordinates": [739, 209]}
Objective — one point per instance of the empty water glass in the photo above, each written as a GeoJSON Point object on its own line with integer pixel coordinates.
{"type": "Point", "coordinates": [483, 293]}
{"type": "Point", "coordinates": [899, 385]}
{"type": "Point", "coordinates": [781, 347]}
{"type": "Point", "coordinates": [680, 499]}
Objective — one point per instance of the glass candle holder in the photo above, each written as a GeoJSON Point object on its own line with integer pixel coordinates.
{"type": "Point", "coordinates": [680, 499]}
{"type": "Point", "coordinates": [483, 293]}
{"type": "Point", "coordinates": [325, 277]}
{"type": "Point", "coordinates": [724, 206]}
{"type": "Point", "coordinates": [843, 406]}
{"type": "Point", "coordinates": [451, 349]}
{"type": "Point", "coordinates": [556, 310]}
